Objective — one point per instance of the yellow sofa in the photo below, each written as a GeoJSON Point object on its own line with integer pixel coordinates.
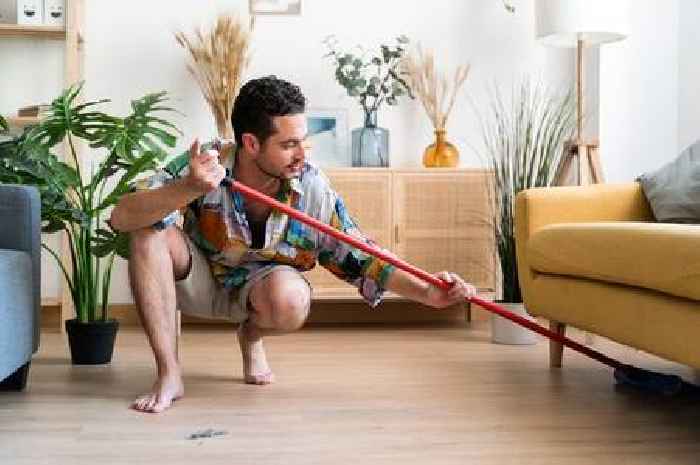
{"type": "Point", "coordinates": [592, 257]}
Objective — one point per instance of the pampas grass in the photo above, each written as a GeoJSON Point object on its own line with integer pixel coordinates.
{"type": "Point", "coordinates": [432, 87]}
{"type": "Point", "coordinates": [218, 59]}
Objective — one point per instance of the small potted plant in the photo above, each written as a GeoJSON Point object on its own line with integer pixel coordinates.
{"type": "Point", "coordinates": [373, 77]}
{"type": "Point", "coordinates": [524, 140]}
{"type": "Point", "coordinates": [75, 197]}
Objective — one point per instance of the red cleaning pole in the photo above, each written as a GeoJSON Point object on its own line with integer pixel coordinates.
{"type": "Point", "coordinates": [490, 306]}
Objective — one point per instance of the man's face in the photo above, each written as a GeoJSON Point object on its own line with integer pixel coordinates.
{"type": "Point", "coordinates": [283, 153]}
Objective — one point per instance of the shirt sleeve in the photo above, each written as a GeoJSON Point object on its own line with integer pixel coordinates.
{"type": "Point", "coordinates": [170, 172]}
{"type": "Point", "coordinates": [358, 268]}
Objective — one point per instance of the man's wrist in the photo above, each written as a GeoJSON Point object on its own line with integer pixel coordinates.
{"type": "Point", "coordinates": [189, 187]}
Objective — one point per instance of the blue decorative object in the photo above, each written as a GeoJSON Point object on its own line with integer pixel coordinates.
{"type": "Point", "coordinates": [370, 144]}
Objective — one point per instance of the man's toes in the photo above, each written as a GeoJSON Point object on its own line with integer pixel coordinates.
{"type": "Point", "coordinates": [152, 403]}
{"type": "Point", "coordinates": [261, 379]}
{"type": "Point", "coordinates": [139, 403]}
{"type": "Point", "coordinates": [159, 406]}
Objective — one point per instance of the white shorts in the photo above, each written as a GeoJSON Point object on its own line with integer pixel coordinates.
{"type": "Point", "coordinates": [199, 294]}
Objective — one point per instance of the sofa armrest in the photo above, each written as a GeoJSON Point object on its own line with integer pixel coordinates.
{"type": "Point", "coordinates": [535, 208]}
{"type": "Point", "coordinates": [20, 229]}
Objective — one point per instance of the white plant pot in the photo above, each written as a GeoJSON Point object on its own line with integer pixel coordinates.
{"type": "Point", "coordinates": [504, 331]}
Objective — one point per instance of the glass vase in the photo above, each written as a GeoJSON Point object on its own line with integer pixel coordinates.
{"type": "Point", "coordinates": [370, 144]}
{"type": "Point", "coordinates": [441, 153]}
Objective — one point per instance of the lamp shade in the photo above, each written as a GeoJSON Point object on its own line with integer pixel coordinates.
{"type": "Point", "coordinates": [561, 23]}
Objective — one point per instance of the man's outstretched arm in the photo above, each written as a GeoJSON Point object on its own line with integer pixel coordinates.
{"type": "Point", "coordinates": [413, 288]}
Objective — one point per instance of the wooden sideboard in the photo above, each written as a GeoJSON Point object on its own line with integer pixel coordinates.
{"type": "Point", "coordinates": [436, 219]}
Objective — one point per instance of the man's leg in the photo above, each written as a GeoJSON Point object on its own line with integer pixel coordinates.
{"type": "Point", "coordinates": [158, 259]}
{"type": "Point", "coordinates": [279, 303]}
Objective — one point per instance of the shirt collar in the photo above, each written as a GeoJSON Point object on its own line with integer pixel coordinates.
{"type": "Point", "coordinates": [295, 185]}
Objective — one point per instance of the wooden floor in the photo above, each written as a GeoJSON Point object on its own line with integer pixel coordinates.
{"type": "Point", "coordinates": [348, 395]}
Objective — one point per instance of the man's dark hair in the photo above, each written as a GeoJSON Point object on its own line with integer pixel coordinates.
{"type": "Point", "coordinates": [259, 101]}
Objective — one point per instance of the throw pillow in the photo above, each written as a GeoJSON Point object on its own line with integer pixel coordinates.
{"type": "Point", "coordinates": [673, 191]}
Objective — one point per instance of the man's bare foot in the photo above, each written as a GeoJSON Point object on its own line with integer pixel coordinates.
{"type": "Point", "coordinates": [255, 367]}
{"type": "Point", "coordinates": [166, 390]}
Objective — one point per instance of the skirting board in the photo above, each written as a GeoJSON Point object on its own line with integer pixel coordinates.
{"type": "Point", "coordinates": [323, 312]}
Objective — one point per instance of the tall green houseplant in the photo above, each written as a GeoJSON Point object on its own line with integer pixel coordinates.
{"type": "Point", "coordinates": [524, 139]}
{"type": "Point", "coordinates": [75, 196]}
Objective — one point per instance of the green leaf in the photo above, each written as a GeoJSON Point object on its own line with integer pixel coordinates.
{"type": "Point", "coordinates": [386, 54]}
{"type": "Point", "coordinates": [70, 200]}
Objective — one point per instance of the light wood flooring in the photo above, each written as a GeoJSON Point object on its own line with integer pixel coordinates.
{"type": "Point", "coordinates": [360, 395]}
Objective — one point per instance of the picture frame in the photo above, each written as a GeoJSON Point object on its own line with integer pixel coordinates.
{"type": "Point", "coordinates": [328, 137]}
{"type": "Point", "coordinates": [275, 7]}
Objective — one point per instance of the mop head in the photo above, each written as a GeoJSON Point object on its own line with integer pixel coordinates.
{"type": "Point", "coordinates": [658, 383]}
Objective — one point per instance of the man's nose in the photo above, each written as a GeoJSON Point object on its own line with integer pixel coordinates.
{"type": "Point", "coordinates": [304, 149]}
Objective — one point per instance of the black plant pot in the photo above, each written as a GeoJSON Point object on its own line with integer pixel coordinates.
{"type": "Point", "coordinates": [91, 343]}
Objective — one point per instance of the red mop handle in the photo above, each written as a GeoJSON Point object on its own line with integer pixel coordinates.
{"type": "Point", "coordinates": [490, 306]}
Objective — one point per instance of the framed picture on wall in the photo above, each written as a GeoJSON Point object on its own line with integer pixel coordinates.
{"type": "Point", "coordinates": [328, 137]}
{"type": "Point", "coordinates": [275, 7]}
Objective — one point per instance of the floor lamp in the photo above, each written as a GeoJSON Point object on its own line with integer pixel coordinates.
{"type": "Point", "coordinates": [580, 24]}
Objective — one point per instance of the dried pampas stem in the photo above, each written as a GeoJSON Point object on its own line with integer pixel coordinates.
{"type": "Point", "coordinates": [218, 59]}
{"type": "Point", "coordinates": [432, 87]}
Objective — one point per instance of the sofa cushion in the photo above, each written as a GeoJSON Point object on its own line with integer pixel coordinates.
{"type": "Point", "coordinates": [673, 191]}
{"type": "Point", "coordinates": [657, 256]}
{"type": "Point", "coordinates": [16, 310]}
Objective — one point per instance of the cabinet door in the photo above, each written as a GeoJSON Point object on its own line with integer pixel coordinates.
{"type": "Point", "coordinates": [442, 223]}
{"type": "Point", "coordinates": [367, 195]}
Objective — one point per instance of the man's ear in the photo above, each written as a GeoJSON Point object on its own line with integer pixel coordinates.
{"type": "Point", "coordinates": [250, 143]}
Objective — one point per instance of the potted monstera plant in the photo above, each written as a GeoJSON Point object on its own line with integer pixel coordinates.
{"type": "Point", "coordinates": [76, 195]}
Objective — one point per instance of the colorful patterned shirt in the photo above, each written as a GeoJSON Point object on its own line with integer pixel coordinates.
{"type": "Point", "coordinates": [217, 224]}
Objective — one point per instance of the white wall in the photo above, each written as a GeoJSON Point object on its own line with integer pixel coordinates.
{"type": "Point", "coordinates": [639, 93]}
{"type": "Point", "coordinates": [130, 50]}
{"type": "Point", "coordinates": [688, 73]}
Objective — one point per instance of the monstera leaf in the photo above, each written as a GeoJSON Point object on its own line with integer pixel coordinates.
{"type": "Point", "coordinates": [76, 192]}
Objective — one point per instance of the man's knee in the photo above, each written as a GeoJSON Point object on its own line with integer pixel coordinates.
{"type": "Point", "coordinates": [145, 240]}
{"type": "Point", "coordinates": [290, 302]}
{"type": "Point", "coordinates": [152, 244]}
{"type": "Point", "coordinates": [150, 240]}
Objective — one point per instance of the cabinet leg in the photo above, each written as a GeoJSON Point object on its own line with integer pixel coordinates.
{"type": "Point", "coordinates": [467, 312]}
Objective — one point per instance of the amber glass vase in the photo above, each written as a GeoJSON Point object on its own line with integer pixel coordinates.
{"type": "Point", "coordinates": [440, 154]}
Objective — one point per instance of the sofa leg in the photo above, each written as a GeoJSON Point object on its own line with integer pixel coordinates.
{"type": "Point", "coordinates": [556, 349]}
{"type": "Point", "coordinates": [17, 381]}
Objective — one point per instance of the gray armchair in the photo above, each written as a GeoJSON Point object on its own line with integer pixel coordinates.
{"type": "Point", "coordinates": [20, 282]}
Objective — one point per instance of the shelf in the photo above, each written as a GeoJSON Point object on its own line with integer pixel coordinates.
{"type": "Point", "coordinates": [50, 302]}
{"type": "Point", "coordinates": [22, 121]}
{"type": "Point", "coordinates": [39, 32]}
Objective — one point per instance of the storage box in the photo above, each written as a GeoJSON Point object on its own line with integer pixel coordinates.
{"type": "Point", "coordinates": [54, 12]}
{"type": "Point", "coordinates": [8, 11]}
{"type": "Point", "coordinates": [30, 12]}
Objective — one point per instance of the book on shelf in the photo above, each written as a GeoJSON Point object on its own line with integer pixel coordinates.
{"type": "Point", "coordinates": [32, 110]}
